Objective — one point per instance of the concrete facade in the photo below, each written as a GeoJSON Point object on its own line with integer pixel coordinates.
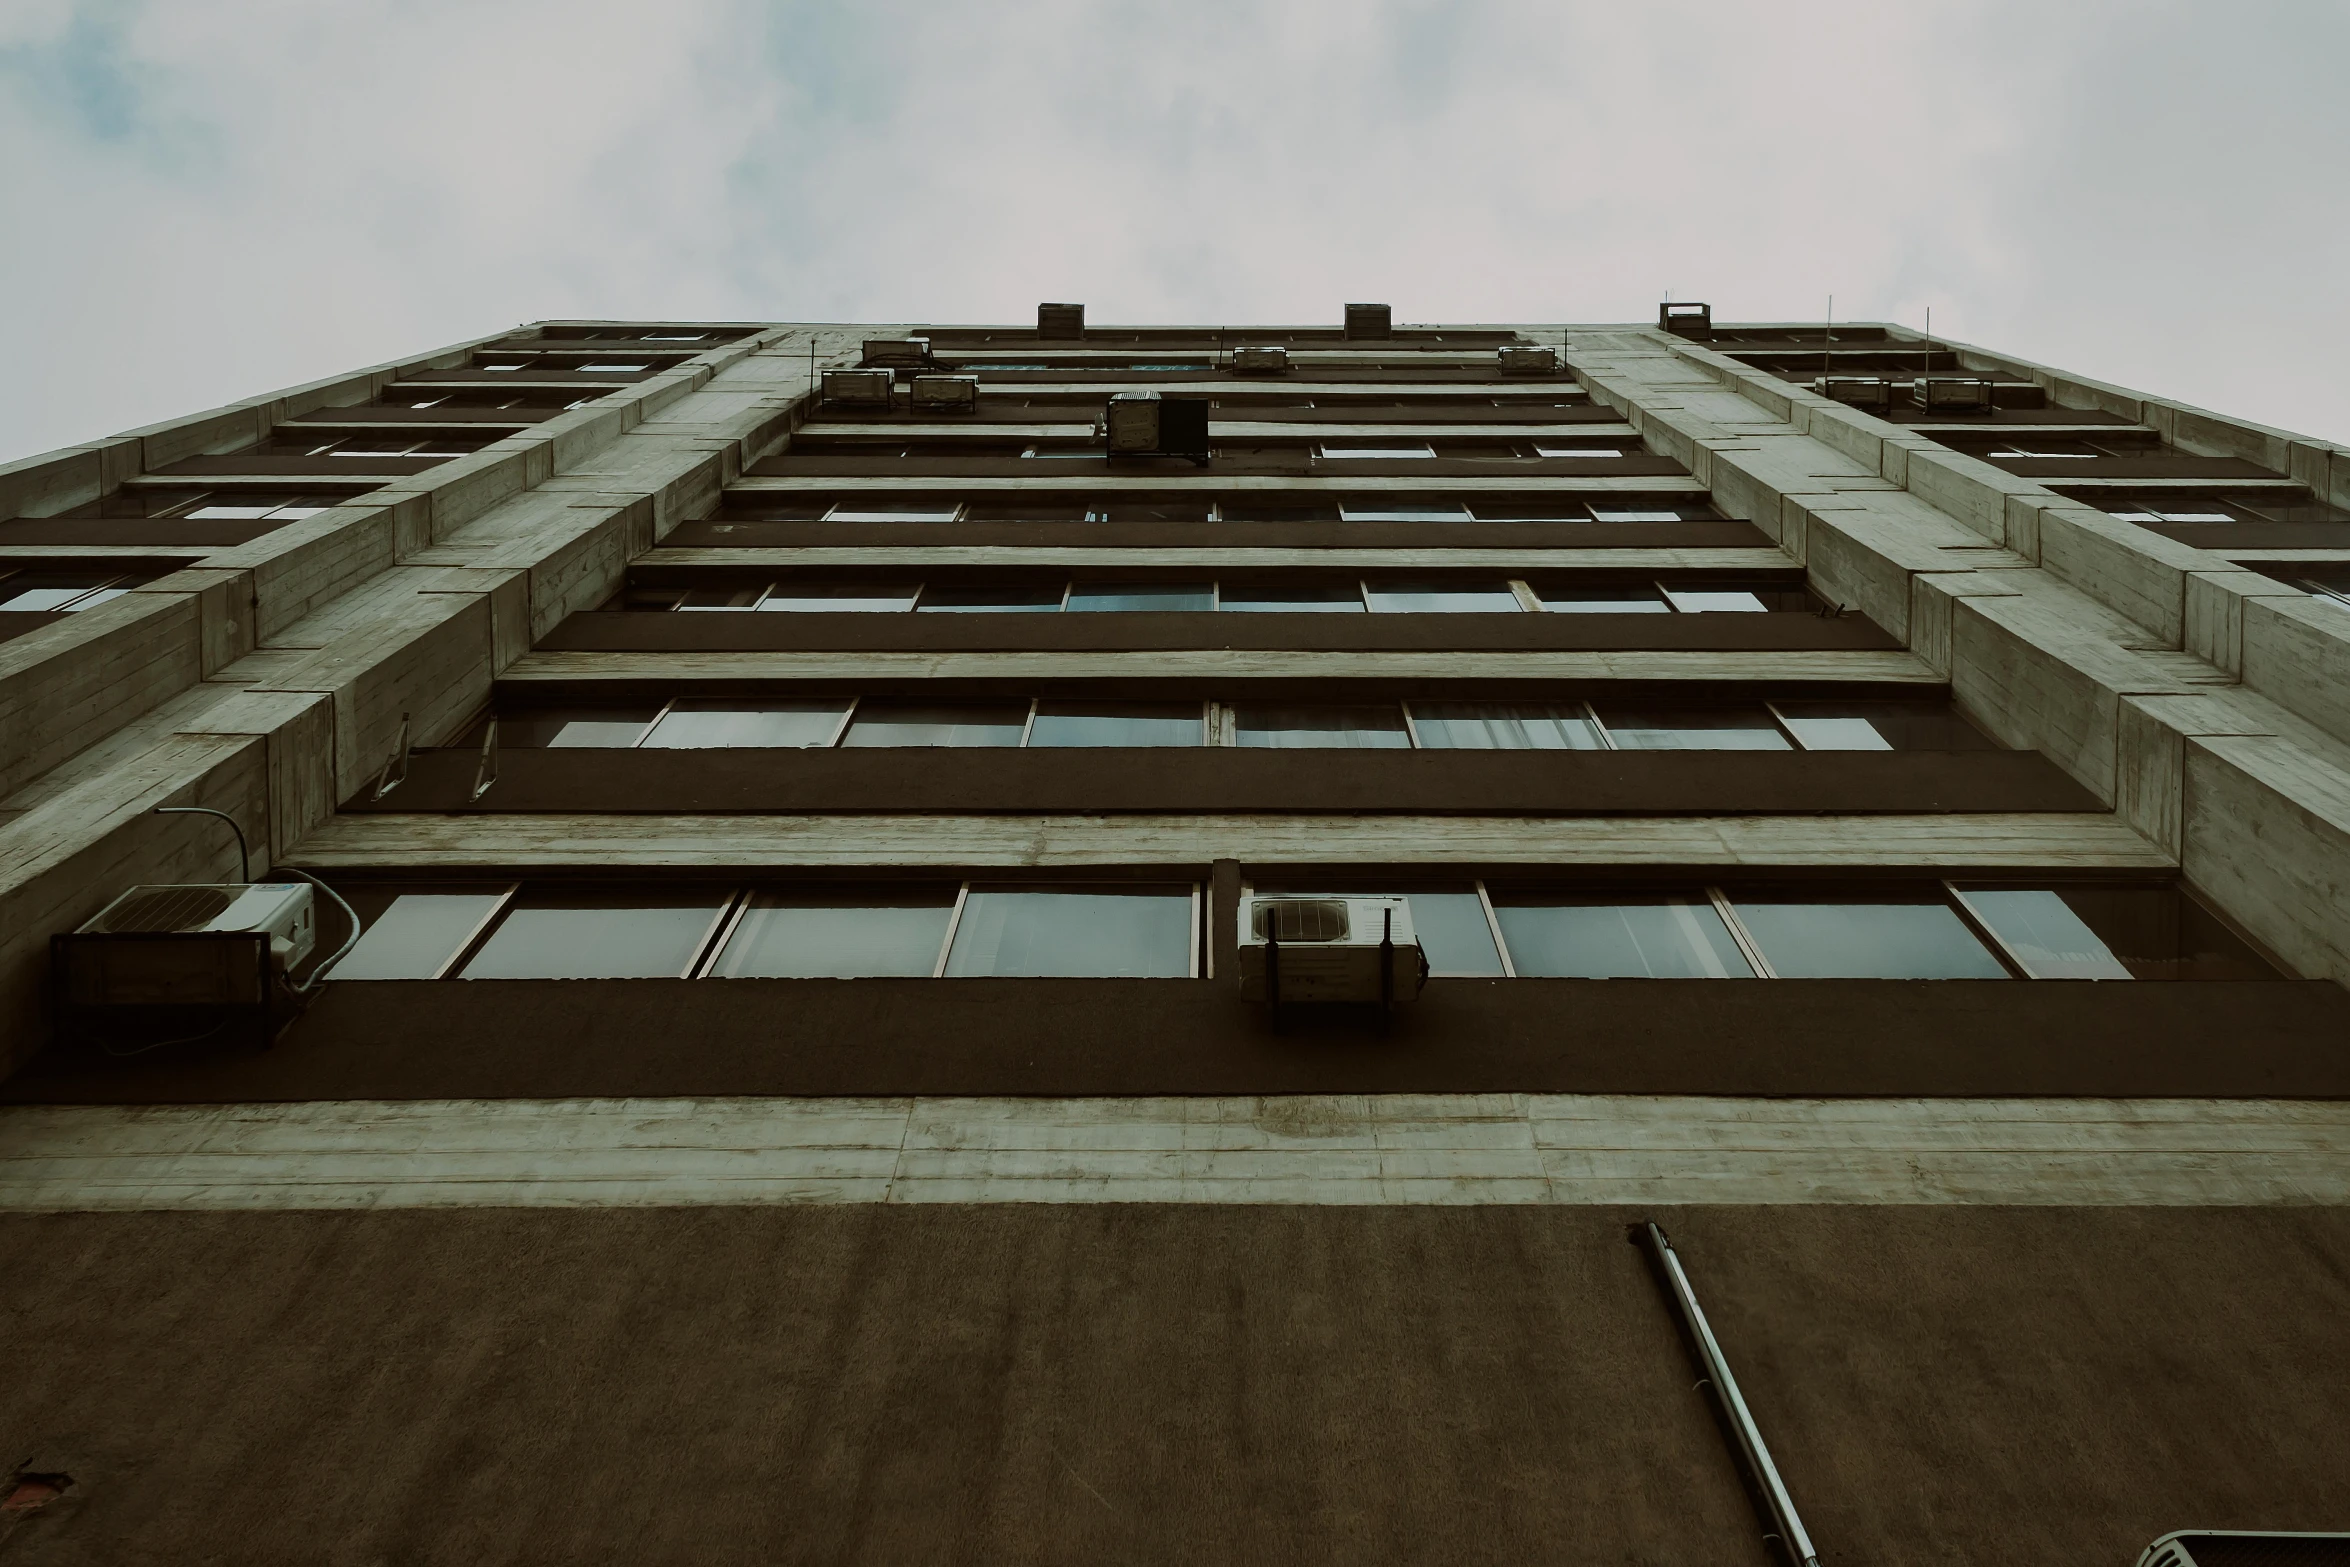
{"type": "Point", "coordinates": [2155, 709]}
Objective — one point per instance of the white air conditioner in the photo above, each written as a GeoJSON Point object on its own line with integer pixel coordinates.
{"type": "Point", "coordinates": [1872, 392]}
{"type": "Point", "coordinates": [2236, 1547]}
{"type": "Point", "coordinates": [859, 388]}
{"type": "Point", "coordinates": [1329, 949]}
{"type": "Point", "coordinates": [1133, 422]}
{"type": "Point", "coordinates": [1528, 359]}
{"type": "Point", "coordinates": [1260, 361]}
{"type": "Point", "coordinates": [897, 351]}
{"type": "Point", "coordinates": [198, 946]}
{"type": "Point", "coordinates": [946, 394]}
{"type": "Point", "coordinates": [1970, 394]}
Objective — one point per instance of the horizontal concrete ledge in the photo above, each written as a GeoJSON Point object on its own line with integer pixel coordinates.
{"type": "Point", "coordinates": [1324, 1149]}
{"type": "Point", "coordinates": [545, 1039]}
{"type": "Point", "coordinates": [625, 631]}
{"type": "Point", "coordinates": [734, 531]}
{"type": "Point", "coordinates": [1223, 778]}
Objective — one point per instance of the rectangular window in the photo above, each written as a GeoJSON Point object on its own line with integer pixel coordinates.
{"type": "Point", "coordinates": [1403, 511]}
{"type": "Point", "coordinates": [415, 933]}
{"type": "Point", "coordinates": [566, 728]}
{"type": "Point", "coordinates": [1303, 727]}
{"type": "Point", "coordinates": [884, 511]}
{"type": "Point", "coordinates": [1142, 932]}
{"type": "Point", "coordinates": [1873, 938]}
{"type": "Point", "coordinates": [937, 724]}
{"type": "Point", "coordinates": [1624, 936]}
{"type": "Point", "coordinates": [619, 934]}
{"type": "Point", "coordinates": [851, 933]}
{"type": "Point", "coordinates": [840, 598]}
{"type": "Point", "coordinates": [970, 598]}
{"type": "Point", "coordinates": [1438, 598]}
{"type": "Point", "coordinates": [1604, 601]}
{"type": "Point", "coordinates": [1605, 513]}
{"type": "Point", "coordinates": [1541, 450]}
{"type": "Point", "coordinates": [1118, 724]}
{"type": "Point", "coordinates": [2041, 931]}
{"type": "Point", "coordinates": [36, 593]}
{"type": "Point", "coordinates": [1250, 598]}
{"type": "Point", "coordinates": [1880, 726]}
{"type": "Point", "coordinates": [1715, 601]}
{"type": "Point", "coordinates": [724, 597]}
{"type": "Point", "coordinates": [1163, 598]}
{"type": "Point", "coordinates": [1504, 726]}
{"type": "Point", "coordinates": [1693, 729]}
{"type": "Point", "coordinates": [1388, 452]}
{"type": "Point", "coordinates": [738, 722]}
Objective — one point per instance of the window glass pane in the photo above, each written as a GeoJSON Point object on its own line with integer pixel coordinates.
{"type": "Point", "coordinates": [1604, 601]}
{"type": "Point", "coordinates": [702, 725]}
{"type": "Point", "coordinates": [1437, 598]}
{"type": "Point", "coordinates": [619, 935]}
{"type": "Point", "coordinates": [1142, 932]}
{"type": "Point", "coordinates": [1881, 726]}
{"type": "Point", "coordinates": [36, 594]}
{"type": "Point", "coordinates": [1520, 509]}
{"type": "Point", "coordinates": [1118, 723]}
{"type": "Point", "coordinates": [990, 598]}
{"type": "Point", "coordinates": [1602, 513]}
{"type": "Point", "coordinates": [838, 935]}
{"type": "Point", "coordinates": [724, 598]}
{"type": "Point", "coordinates": [1292, 509]}
{"type": "Point", "coordinates": [1352, 727]}
{"type": "Point", "coordinates": [1148, 597]}
{"type": "Point", "coordinates": [92, 601]}
{"type": "Point", "coordinates": [1337, 598]}
{"type": "Point", "coordinates": [1628, 936]}
{"type": "Point", "coordinates": [1543, 450]}
{"type": "Point", "coordinates": [837, 598]}
{"type": "Point", "coordinates": [1453, 933]}
{"type": "Point", "coordinates": [2049, 939]}
{"type": "Point", "coordinates": [884, 511]}
{"type": "Point", "coordinates": [1389, 451]}
{"type": "Point", "coordinates": [416, 934]}
{"type": "Point", "coordinates": [1874, 940]}
{"type": "Point", "coordinates": [1715, 601]}
{"type": "Point", "coordinates": [229, 513]}
{"type": "Point", "coordinates": [937, 723]}
{"type": "Point", "coordinates": [574, 726]}
{"type": "Point", "coordinates": [1693, 729]}
{"type": "Point", "coordinates": [1504, 726]}
{"type": "Point", "coordinates": [1403, 511]}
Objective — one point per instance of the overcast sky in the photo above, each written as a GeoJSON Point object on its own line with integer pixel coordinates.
{"type": "Point", "coordinates": [202, 200]}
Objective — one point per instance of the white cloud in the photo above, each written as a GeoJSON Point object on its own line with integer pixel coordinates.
{"type": "Point", "coordinates": [211, 200]}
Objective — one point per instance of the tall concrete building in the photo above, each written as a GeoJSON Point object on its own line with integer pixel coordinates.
{"type": "Point", "coordinates": [1064, 944]}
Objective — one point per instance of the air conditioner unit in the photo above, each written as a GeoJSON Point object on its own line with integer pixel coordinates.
{"type": "Point", "coordinates": [1144, 423]}
{"type": "Point", "coordinates": [1060, 320]}
{"type": "Point", "coordinates": [859, 388]}
{"type": "Point", "coordinates": [173, 947]}
{"type": "Point", "coordinates": [1872, 392]}
{"type": "Point", "coordinates": [2246, 1548]}
{"type": "Point", "coordinates": [1690, 320]}
{"type": "Point", "coordinates": [1260, 361]}
{"type": "Point", "coordinates": [1957, 394]}
{"type": "Point", "coordinates": [946, 394]}
{"type": "Point", "coordinates": [1334, 949]}
{"type": "Point", "coordinates": [897, 352]}
{"type": "Point", "coordinates": [1527, 359]}
{"type": "Point", "coordinates": [1370, 321]}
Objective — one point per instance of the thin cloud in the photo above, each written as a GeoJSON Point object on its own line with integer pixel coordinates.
{"type": "Point", "coordinates": [214, 200]}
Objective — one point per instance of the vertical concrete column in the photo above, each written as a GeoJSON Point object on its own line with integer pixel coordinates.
{"type": "Point", "coordinates": [1224, 921]}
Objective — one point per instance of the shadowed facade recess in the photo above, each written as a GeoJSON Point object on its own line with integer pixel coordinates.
{"type": "Point", "coordinates": [814, 717]}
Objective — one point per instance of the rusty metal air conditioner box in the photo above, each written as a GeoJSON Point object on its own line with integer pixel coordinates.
{"type": "Point", "coordinates": [1957, 394]}
{"type": "Point", "coordinates": [2246, 1548]}
{"type": "Point", "coordinates": [1145, 423]}
{"type": "Point", "coordinates": [1690, 320]}
{"type": "Point", "coordinates": [193, 946]}
{"type": "Point", "coordinates": [1260, 361]}
{"type": "Point", "coordinates": [1871, 392]}
{"type": "Point", "coordinates": [897, 352]}
{"type": "Point", "coordinates": [1060, 320]}
{"type": "Point", "coordinates": [1527, 359]}
{"type": "Point", "coordinates": [946, 394]}
{"type": "Point", "coordinates": [1370, 321]}
{"type": "Point", "coordinates": [859, 388]}
{"type": "Point", "coordinates": [1331, 949]}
